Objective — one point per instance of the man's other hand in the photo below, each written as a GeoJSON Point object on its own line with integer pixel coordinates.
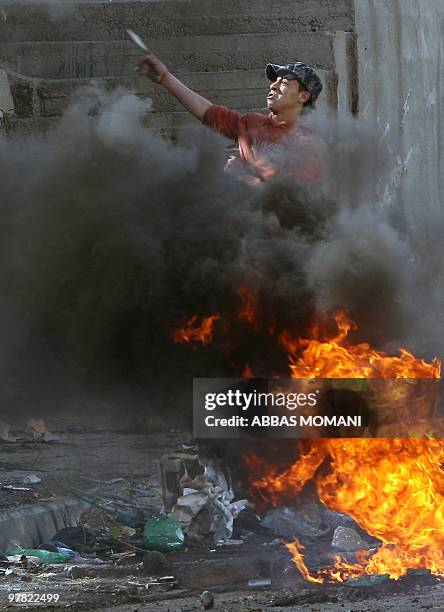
{"type": "Point", "coordinates": [152, 67]}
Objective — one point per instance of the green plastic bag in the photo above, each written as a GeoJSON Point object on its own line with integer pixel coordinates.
{"type": "Point", "coordinates": [163, 534]}
{"type": "Point", "coordinates": [45, 556]}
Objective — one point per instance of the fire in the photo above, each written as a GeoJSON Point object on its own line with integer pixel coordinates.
{"type": "Point", "coordinates": [193, 332]}
{"type": "Point", "coordinates": [247, 310]}
{"type": "Point", "coordinates": [247, 372]}
{"type": "Point", "coordinates": [393, 488]}
{"type": "Point", "coordinates": [336, 358]}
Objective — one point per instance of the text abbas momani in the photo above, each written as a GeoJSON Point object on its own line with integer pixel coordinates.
{"type": "Point", "coordinates": [291, 401]}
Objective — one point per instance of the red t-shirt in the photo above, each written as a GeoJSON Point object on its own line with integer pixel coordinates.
{"type": "Point", "coordinates": [254, 130]}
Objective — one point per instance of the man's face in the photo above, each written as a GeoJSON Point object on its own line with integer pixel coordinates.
{"type": "Point", "coordinates": [285, 94]}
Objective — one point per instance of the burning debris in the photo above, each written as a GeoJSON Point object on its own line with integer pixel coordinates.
{"type": "Point", "coordinates": [193, 332]}
{"type": "Point", "coordinates": [122, 253]}
{"type": "Point", "coordinates": [367, 479]}
{"type": "Point", "coordinates": [203, 504]}
{"type": "Point", "coordinates": [185, 255]}
{"type": "Point", "coordinates": [391, 487]}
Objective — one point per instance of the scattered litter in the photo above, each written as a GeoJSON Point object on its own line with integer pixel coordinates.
{"type": "Point", "coordinates": [105, 571]}
{"type": "Point", "coordinates": [155, 563]}
{"type": "Point", "coordinates": [31, 479]}
{"type": "Point", "coordinates": [203, 504]}
{"type": "Point", "coordinates": [347, 540]}
{"type": "Point", "coordinates": [119, 531]}
{"type": "Point", "coordinates": [190, 447]}
{"type": "Point", "coordinates": [61, 548]}
{"type": "Point", "coordinates": [367, 581]}
{"type": "Point", "coordinates": [259, 583]}
{"type": "Point", "coordinates": [16, 571]}
{"type": "Point", "coordinates": [230, 542]}
{"type": "Point", "coordinates": [76, 538]}
{"type": "Point", "coordinates": [24, 561]}
{"type": "Point", "coordinates": [37, 429]}
{"type": "Point", "coordinates": [14, 488]}
{"type": "Point", "coordinates": [123, 506]}
{"type": "Point", "coordinates": [224, 514]}
{"type": "Point", "coordinates": [45, 556]}
{"type": "Point", "coordinates": [163, 533]}
{"type": "Point", "coordinates": [207, 599]}
{"type": "Point", "coordinates": [290, 522]}
{"type": "Point", "coordinates": [172, 470]}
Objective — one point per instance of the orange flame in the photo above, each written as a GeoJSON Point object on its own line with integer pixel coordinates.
{"type": "Point", "coordinates": [296, 549]}
{"type": "Point", "coordinates": [247, 310]}
{"type": "Point", "coordinates": [336, 358]}
{"type": "Point", "coordinates": [192, 332]}
{"type": "Point", "coordinates": [247, 371]}
{"type": "Point", "coordinates": [393, 488]}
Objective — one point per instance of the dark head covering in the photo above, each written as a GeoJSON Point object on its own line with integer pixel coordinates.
{"type": "Point", "coordinates": [300, 72]}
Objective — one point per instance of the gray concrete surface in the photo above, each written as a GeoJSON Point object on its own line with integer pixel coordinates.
{"type": "Point", "coordinates": [32, 525]}
{"type": "Point", "coordinates": [425, 598]}
{"type": "Point", "coordinates": [108, 21]}
{"type": "Point", "coordinates": [218, 48]}
{"type": "Point", "coordinates": [401, 82]}
{"type": "Point", "coordinates": [51, 96]}
{"type": "Point", "coordinates": [6, 101]}
{"type": "Point", "coordinates": [80, 59]}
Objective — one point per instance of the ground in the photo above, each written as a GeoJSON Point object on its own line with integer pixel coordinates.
{"type": "Point", "coordinates": [111, 449]}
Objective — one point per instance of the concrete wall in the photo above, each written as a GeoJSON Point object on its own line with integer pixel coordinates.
{"type": "Point", "coordinates": [401, 82]}
{"type": "Point", "coordinates": [218, 47]}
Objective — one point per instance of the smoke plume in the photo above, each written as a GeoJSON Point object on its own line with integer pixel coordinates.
{"type": "Point", "coordinates": [112, 238]}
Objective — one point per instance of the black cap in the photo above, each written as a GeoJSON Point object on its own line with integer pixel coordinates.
{"type": "Point", "coordinates": [302, 73]}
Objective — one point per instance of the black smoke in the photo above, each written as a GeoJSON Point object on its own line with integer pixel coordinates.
{"type": "Point", "coordinates": [112, 237]}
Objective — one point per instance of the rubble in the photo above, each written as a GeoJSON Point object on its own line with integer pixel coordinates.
{"type": "Point", "coordinates": [172, 468]}
{"type": "Point", "coordinates": [37, 429]}
{"type": "Point", "coordinates": [31, 479]}
{"type": "Point", "coordinates": [203, 504]}
{"type": "Point", "coordinates": [107, 552]}
{"type": "Point", "coordinates": [41, 556]}
{"type": "Point", "coordinates": [155, 563]}
{"type": "Point", "coordinates": [207, 599]}
{"type": "Point", "coordinates": [259, 583]}
{"type": "Point", "coordinates": [347, 539]}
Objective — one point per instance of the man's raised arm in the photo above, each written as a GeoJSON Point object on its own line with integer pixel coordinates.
{"type": "Point", "coordinates": [152, 67]}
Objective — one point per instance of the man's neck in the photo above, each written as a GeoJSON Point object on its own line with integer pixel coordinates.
{"type": "Point", "coordinates": [290, 116]}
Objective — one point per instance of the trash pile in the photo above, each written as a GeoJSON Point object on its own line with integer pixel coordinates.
{"type": "Point", "coordinates": [19, 561]}
{"type": "Point", "coordinates": [195, 505]}
{"type": "Point", "coordinates": [186, 532]}
{"type": "Point", "coordinates": [35, 431]}
{"type": "Point", "coordinates": [130, 526]}
{"type": "Point", "coordinates": [200, 497]}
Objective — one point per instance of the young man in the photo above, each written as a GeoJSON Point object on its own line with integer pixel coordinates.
{"type": "Point", "coordinates": [293, 88]}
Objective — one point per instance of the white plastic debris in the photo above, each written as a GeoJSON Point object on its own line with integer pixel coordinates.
{"type": "Point", "coordinates": [212, 491]}
{"type": "Point", "coordinates": [31, 479]}
{"type": "Point", "coordinates": [347, 540]}
{"type": "Point", "coordinates": [194, 501]}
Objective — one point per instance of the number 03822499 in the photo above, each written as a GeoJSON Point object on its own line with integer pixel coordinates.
{"type": "Point", "coordinates": [36, 598]}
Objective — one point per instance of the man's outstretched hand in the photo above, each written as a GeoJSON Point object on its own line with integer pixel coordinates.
{"type": "Point", "coordinates": [152, 67]}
